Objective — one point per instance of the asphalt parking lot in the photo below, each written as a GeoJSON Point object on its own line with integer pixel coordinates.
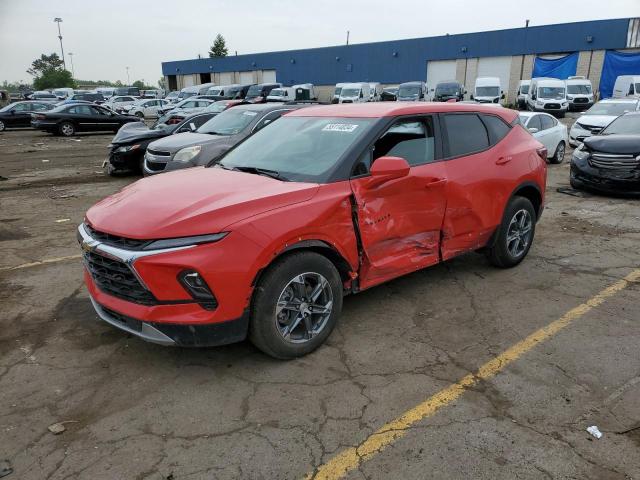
{"type": "Point", "coordinates": [441, 374]}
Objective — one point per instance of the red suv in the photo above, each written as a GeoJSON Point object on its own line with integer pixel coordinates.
{"type": "Point", "coordinates": [329, 200]}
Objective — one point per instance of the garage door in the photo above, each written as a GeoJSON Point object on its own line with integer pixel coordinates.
{"type": "Point", "coordinates": [187, 81]}
{"type": "Point", "coordinates": [247, 77]}
{"type": "Point", "coordinates": [496, 67]}
{"type": "Point", "coordinates": [268, 76]}
{"type": "Point", "coordinates": [440, 71]}
{"type": "Point", "coordinates": [226, 78]}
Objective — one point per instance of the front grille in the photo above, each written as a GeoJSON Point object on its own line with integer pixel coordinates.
{"type": "Point", "coordinates": [116, 278]}
{"type": "Point", "coordinates": [614, 161]}
{"type": "Point", "coordinates": [592, 128]}
{"type": "Point", "coordinates": [580, 100]}
{"type": "Point", "coordinates": [155, 166]}
{"type": "Point", "coordinates": [552, 106]}
{"type": "Point", "coordinates": [115, 240]}
{"type": "Point", "coordinates": [158, 153]}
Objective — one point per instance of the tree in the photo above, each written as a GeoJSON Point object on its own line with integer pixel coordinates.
{"type": "Point", "coordinates": [139, 84]}
{"type": "Point", "coordinates": [44, 64]}
{"type": "Point", "coordinates": [219, 47]}
{"type": "Point", "coordinates": [162, 83]}
{"type": "Point", "coordinates": [54, 79]}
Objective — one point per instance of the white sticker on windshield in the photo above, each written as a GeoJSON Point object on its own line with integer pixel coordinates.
{"type": "Point", "coordinates": [250, 113]}
{"type": "Point", "coordinates": [339, 127]}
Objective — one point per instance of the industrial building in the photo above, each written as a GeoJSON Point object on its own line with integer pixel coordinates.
{"type": "Point", "coordinates": [599, 50]}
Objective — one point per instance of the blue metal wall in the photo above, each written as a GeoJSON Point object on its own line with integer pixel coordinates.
{"type": "Point", "coordinates": [403, 60]}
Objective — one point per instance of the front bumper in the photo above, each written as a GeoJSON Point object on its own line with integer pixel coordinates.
{"type": "Point", "coordinates": [625, 183]}
{"type": "Point", "coordinates": [130, 160]}
{"type": "Point", "coordinates": [155, 165]}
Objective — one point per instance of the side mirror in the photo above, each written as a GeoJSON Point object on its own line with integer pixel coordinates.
{"type": "Point", "coordinates": [385, 169]}
{"type": "Point", "coordinates": [533, 130]}
{"type": "Point", "coordinates": [502, 97]}
{"type": "Point", "coordinates": [471, 97]}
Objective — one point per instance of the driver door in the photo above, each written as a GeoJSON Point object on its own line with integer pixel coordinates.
{"type": "Point", "coordinates": [400, 220]}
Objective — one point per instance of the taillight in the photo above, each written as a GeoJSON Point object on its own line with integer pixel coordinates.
{"type": "Point", "coordinates": [542, 153]}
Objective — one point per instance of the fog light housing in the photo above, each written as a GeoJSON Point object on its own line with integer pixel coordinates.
{"type": "Point", "coordinates": [196, 286]}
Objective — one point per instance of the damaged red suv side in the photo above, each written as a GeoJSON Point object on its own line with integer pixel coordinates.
{"type": "Point", "coordinates": [326, 201]}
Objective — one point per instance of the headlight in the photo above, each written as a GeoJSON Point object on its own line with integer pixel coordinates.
{"type": "Point", "coordinates": [564, 104]}
{"type": "Point", "coordinates": [539, 103]}
{"type": "Point", "coordinates": [580, 153]}
{"type": "Point", "coordinates": [184, 241]}
{"type": "Point", "coordinates": [187, 154]}
{"type": "Point", "coordinates": [128, 148]}
{"type": "Point", "coordinates": [569, 97]}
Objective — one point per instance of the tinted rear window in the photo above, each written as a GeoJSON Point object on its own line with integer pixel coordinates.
{"type": "Point", "coordinates": [496, 127]}
{"type": "Point", "coordinates": [465, 134]}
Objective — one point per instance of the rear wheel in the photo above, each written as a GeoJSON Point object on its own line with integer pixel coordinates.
{"type": "Point", "coordinates": [2, 126]}
{"type": "Point", "coordinates": [515, 234]}
{"type": "Point", "coordinates": [296, 305]}
{"type": "Point", "coordinates": [558, 157]}
{"type": "Point", "coordinates": [139, 115]}
{"type": "Point", "coordinates": [67, 129]}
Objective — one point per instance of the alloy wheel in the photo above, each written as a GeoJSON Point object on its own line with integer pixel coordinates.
{"type": "Point", "coordinates": [560, 152]}
{"type": "Point", "coordinates": [304, 307]}
{"type": "Point", "coordinates": [519, 233]}
{"type": "Point", "coordinates": [1, 126]}
{"type": "Point", "coordinates": [67, 129]}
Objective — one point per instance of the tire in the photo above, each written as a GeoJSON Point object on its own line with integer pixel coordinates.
{"type": "Point", "coordinates": [281, 284]}
{"type": "Point", "coordinates": [3, 127]}
{"type": "Point", "coordinates": [558, 157]}
{"type": "Point", "coordinates": [140, 115]}
{"type": "Point", "coordinates": [67, 129]}
{"type": "Point", "coordinates": [509, 249]}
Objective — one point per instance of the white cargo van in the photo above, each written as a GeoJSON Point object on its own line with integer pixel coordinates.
{"type": "Point", "coordinates": [579, 93]}
{"type": "Point", "coordinates": [487, 90]}
{"type": "Point", "coordinates": [412, 92]}
{"type": "Point", "coordinates": [375, 90]}
{"type": "Point", "coordinates": [282, 94]}
{"type": "Point", "coordinates": [627, 86]}
{"type": "Point", "coordinates": [336, 92]}
{"type": "Point", "coordinates": [548, 95]}
{"type": "Point", "coordinates": [354, 93]}
{"type": "Point", "coordinates": [521, 94]}
{"type": "Point", "coordinates": [194, 90]}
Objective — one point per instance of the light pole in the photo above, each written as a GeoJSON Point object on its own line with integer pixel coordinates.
{"type": "Point", "coordinates": [73, 73]}
{"type": "Point", "coordinates": [128, 81]}
{"type": "Point", "coordinates": [58, 20]}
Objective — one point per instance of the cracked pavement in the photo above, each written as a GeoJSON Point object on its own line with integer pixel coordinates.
{"type": "Point", "coordinates": [141, 411]}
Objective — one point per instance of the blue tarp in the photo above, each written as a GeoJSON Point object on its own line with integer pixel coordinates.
{"type": "Point", "coordinates": [561, 68]}
{"type": "Point", "coordinates": [617, 63]}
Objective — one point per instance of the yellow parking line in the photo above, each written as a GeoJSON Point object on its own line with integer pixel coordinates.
{"type": "Point", "coordinates": [338, 466]}
{"type": "Point", "coordinates": [42, 262]}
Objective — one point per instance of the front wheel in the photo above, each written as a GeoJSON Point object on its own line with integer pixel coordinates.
{"type": "Point", "coordinates": [67, 129]}
{"type": "Point", "coordinates": [140, 115]}
{"type": "Point", "coordinates": [2, 126]}
{"type": "Point", "coordinates": [515, 234]}
{"type": "Point", "coordinates": [296, 305]}
{"type": "Point", "coordinates": [558, 157]}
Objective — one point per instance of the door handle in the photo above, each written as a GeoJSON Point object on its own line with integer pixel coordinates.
{"type": "Point", "coordinates": [503, 160]}
{"type": "Point", "coordinates": [435, 182]}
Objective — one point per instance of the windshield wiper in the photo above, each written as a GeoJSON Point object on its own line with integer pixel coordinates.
{"type": "Point", "coordinates": [261, 171]}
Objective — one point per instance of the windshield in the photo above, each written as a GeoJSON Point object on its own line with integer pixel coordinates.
{"type": "Point", "coordinates": [350, 92]}
{"type": "Point", "coordinates": [579, 89]}
{"type": "Point", "coordinates": [613, 109]}
{"type": "Point", "coordinates": [447, 89]}
{"type": "Point", "coordinates": [337, 91]}
{"type": "Point", "coordinates": [623, 125]}
{"type": "Point", "coordinates": [185, 94]}
{"type": "Point", "coordinates": [554, 93]}
{"type": "Point", "coordinates": [230, 122]}
{"type": "Point", "coordinates": [8, 107]}
{"type": "Point", "coordinates": [276, 92]}
{"type": "Point", "coordinates": [232, 92]}
{"type": "Point", "coordinates": [409, 92]}
{"type": "Point", "coordinates": [172, 95]}
{"type": "Point", "coordinates": [254, 91]}
{"type": "Point", "coordinates": [304, 149]}
{"type": "Point", "coordinates": [487, 91]}
{"type": "Point", "coordinates": [524, 89]}
{"type": "Point", "coordinates": [216, 107]}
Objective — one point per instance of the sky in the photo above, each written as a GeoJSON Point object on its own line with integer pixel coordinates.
{"type": "Point", "coordinates": [107, 36]}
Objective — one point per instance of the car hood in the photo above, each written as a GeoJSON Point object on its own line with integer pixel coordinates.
{"type": "Point", "coordinates": [596, 120]}
{"type": "Point", "coordinates": [621, 144]}
{"type": "Point", "coordinates": [131, 132]}
{"type": "Point", "coordinates": [195, 201]}
{"type": "Point", "coordinates": [176, 142]}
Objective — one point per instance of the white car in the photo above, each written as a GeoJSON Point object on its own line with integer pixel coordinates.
{"type": "Point", "coordinates": [118, 102]}
{"type": "Point", "coordinates": [145, 108]}
{"type": "Point", "coordinates": [549, 131]}
{"type": "Point", "coordinates": [599, 116]}
{"type": "Point", "coordinates": [190, 105]}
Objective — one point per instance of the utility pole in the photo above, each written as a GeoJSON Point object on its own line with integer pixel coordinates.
{"type": "Point", "coordinates": [128, 81]}
{"type": "Point", "coordinates": [73, 73]}
{"type": "Point", "coordinates": [58, 20]}
{"type": "Point", "coordinates": [347, 37]}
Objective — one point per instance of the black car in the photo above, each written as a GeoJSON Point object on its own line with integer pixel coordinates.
{"type": "Point", "coordinates": [68, 119]}
{"type": "Point", "coordinates": [610, 161]}
{"type": "Point", "coordinates": [18, 114]}
{"type": "Point", "coordinates": [446, 91]}
{"type": "Point", "coordinates": [127, 149]}
{"type": "Point", "coordinates": [389, 94]}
